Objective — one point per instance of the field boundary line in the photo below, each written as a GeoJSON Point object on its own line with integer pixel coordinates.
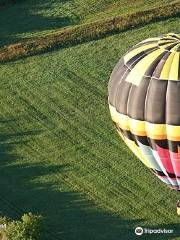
{"type": "Point", "coordinates": [87, 32]}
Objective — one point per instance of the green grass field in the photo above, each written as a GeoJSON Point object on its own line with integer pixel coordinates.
{"type": "Point", "coordinates": [32, 18]}
{"type": "Point", "coordinates": [60, 154]}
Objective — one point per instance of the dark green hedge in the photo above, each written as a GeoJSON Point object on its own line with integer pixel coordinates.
{"type": "Point", "coordinates": [87, 32]}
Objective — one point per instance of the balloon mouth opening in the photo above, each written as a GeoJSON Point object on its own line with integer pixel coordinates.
{"type": "Point", "coordinates": [170, 42]}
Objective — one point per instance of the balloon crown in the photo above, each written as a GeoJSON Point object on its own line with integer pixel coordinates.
{"type": "Point", "coordinates": [170, 42]}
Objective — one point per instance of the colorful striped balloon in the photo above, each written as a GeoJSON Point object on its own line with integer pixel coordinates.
{"type": "Point", "coordinates": [144, 102]}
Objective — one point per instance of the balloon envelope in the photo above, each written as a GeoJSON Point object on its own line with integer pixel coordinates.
{"type": "Point", "coordinates": [144, 102]}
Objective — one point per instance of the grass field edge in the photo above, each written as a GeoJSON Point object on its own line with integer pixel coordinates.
{"type": "Point", "coordinates": [87, 32]}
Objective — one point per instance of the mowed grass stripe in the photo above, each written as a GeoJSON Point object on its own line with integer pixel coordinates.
{"type": "Point", "coordinates": [81, 92]}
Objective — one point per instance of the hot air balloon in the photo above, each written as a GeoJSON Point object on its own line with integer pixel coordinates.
{"type": "Point", "coordinates": [144, 102]}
